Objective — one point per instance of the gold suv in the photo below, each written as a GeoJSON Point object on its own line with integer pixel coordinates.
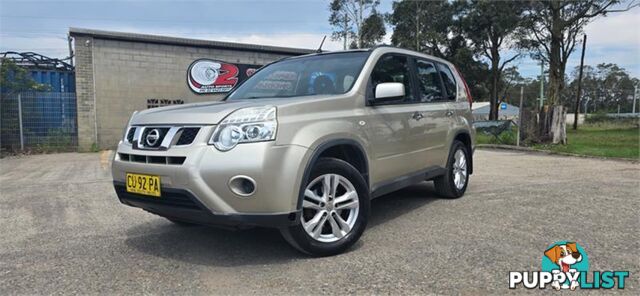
{"type": "Point", "coordinates": [303, 146]}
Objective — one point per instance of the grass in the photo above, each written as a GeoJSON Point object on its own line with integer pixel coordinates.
{"type": "Point", "coordinates": [601, 139]}
{"type": "Point", "coordinates": [505, 138]}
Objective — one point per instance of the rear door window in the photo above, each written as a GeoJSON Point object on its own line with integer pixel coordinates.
{"type": "Point", "coordinates": [448, 80]}
{"type": "Point", "coordinates": [428, 82]}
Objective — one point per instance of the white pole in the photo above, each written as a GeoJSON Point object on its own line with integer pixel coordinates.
{"type": "Point", "coordinates": [586, 106]}
{"type": "Point", "coordinates": [20, 121]}
{"type": "Point", "coordinates": [635, 90]}
{"type": "Point", "coordinates": [520, 115]}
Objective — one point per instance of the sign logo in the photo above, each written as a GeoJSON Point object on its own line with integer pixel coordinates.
{"type": "Point", "coordinates": [565, 266]}
{"type": "Point", "coordinates": [210, 76]}
{"type": "Point", "coordinates": [152, 137]}
{"type": "Point", "coordinates": [250, 71]}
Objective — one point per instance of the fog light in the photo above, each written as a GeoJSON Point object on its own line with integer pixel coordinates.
{"type": "Point", "coordinates": [242, 185]}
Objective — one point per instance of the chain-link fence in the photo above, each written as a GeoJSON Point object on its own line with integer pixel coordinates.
{"type": "Point", "coordinates": [38, 121]}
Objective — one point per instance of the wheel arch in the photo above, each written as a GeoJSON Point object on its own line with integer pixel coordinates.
{"type": "Point", "coordinates": [348, 150]}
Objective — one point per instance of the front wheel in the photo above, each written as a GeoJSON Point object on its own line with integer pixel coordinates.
{"type": "Point", "coordinates": [454, 183]}
{"type": "Point", "coordinates": [335, 209]}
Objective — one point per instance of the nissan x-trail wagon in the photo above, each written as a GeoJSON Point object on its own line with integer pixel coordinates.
{"type": "Point", "coordinates": [303, 145]}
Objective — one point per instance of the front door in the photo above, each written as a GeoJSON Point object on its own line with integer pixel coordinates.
{"type": "Point", "coordinates": [388, 122]}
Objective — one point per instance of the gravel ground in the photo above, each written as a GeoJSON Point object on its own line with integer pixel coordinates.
{"type": "Point", "coordinates": [62, 231]}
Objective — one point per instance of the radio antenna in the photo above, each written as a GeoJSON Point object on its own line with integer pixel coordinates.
{"type": "Point", "coordinates": [321, 43]}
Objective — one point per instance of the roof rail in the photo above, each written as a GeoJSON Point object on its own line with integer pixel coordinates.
{"type": "Point", "coordinates": [381, 45]}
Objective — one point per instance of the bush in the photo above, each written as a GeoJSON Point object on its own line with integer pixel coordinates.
{"type": "Point", "coordinates": [596, 117]}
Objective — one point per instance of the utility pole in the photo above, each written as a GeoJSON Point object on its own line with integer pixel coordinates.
{"type": "Point", "coordinates": [577, 111]}
{"type": "Point", "coordinates": [541, 98]}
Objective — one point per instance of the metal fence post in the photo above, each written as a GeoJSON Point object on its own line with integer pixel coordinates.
{"type": "Point", "coordinates": [20, 121]}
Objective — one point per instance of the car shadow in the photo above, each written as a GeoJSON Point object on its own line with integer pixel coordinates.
{"type": "Point", "coordinates": [393, 205]}
{"type": "Point", "coordinates": [210, 246]}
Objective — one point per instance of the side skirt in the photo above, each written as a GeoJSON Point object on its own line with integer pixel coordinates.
{"type": "Point", "coordinates": [406, 180]}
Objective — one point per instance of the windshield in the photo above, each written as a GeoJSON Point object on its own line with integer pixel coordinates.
{"type": "Point", "coordinates": [325, 74]}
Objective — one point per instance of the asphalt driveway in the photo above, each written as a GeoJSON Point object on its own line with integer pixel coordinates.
{"type": "Point", "coordinates": [62, 230]}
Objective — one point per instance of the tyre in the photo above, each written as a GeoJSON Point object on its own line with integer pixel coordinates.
{"type": "Point", "coordinates": [335, 209]}
{"type": "Point", "coordinates": [454, 182]}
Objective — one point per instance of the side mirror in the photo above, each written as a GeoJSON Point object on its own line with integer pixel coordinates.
{"type": "Point", "coordinates": [389, 91]}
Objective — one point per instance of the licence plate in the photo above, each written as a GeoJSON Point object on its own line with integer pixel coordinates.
{"type": "Point", "coordinates": [143, 184]}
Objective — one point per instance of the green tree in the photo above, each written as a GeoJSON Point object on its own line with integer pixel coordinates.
{"type": "Point", "coordinates": [491, 26]}
{"type": "Point", "coordinates": [350, 19]}
{"type": "Point", "coordinates": [510, 80]}
{"type": "Point", "coordinates": [551, 32]}
{"type": "Point", "coordinates": [437, 28]}
{"type": "Point", "coordinates": [424, 25]}
{"type": "Point", "coordinates": [14, 78]}
{"type": "Point", "coordinates": [614, 88]}
{"type": "Point", "coordinates": [373, 29]}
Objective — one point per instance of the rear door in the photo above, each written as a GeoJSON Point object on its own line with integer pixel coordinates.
{"type": "Point", "coordinates": [428, 133]}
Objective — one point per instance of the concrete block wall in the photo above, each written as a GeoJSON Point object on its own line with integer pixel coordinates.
{"type": "Point", "coordinates": [87, 134]}
{"type": "Point", "coordinates": [116, 77]}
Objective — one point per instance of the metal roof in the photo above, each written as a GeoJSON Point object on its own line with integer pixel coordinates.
{"type": "Point", "coordinates": [35, 60]}
{"type": "Point", "coordinates": [135, 37]}
{"type": "Point", "coordinates": [479, 108]}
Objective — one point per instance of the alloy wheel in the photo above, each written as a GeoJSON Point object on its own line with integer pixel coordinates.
{"type": "Point", "coordinates": [330, 208]}
{"type": "Point", "coordinates": [459, 169]}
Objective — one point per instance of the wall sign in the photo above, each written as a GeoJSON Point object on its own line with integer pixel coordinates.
{"type": "Point", "coordinates": [206, 76]}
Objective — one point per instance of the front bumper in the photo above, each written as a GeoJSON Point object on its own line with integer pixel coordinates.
{"type": "Point", "coordinates": [181, 205]}
{"type": "Point", "coordinates": [205, 173]}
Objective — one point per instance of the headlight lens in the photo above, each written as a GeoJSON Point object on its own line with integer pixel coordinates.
{"type": "Point", "coordinates": [254, 124]}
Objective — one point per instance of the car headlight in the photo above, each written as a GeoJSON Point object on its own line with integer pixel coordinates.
{"type": "Point", "coordinates": [247, 125]}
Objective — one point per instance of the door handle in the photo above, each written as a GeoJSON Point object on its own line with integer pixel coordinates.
{"type": "Point", "coordinates": [417, 116]}
{"type": "Point", "coordinates": [449, 113]}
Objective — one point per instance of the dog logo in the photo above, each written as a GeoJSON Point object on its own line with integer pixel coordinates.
{"type": "Point", "coordinates": [565, 256]}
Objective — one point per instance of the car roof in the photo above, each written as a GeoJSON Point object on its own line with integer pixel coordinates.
{"type": "Point", "coordinates": [383, 47]}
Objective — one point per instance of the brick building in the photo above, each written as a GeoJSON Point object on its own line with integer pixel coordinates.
{"type": "Point", "coordinates": [117, 73]}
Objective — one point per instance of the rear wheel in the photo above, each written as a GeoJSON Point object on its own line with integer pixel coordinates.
{"type": "Point", "coordinates": [335, 209]}
{"type": "Point", "coordinates": [454, 183]}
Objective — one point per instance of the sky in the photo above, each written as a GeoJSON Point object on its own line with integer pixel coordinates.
{"type": "Point", "coordinates": [41, 26]}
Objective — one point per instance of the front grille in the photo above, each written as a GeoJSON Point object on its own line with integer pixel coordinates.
{"type": "Point", "coordinates": [161, 137]}
{"type": "Point", "coordinates": [167, 160]}
{"type": "Point", "coordinates": [130, 134]}
{"type": "Point", "coordinates": [162, 132]}
{"type": "Point", "coordinates": [187, 135]}
{"type": "Point", "coordinates": [168, 198]}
